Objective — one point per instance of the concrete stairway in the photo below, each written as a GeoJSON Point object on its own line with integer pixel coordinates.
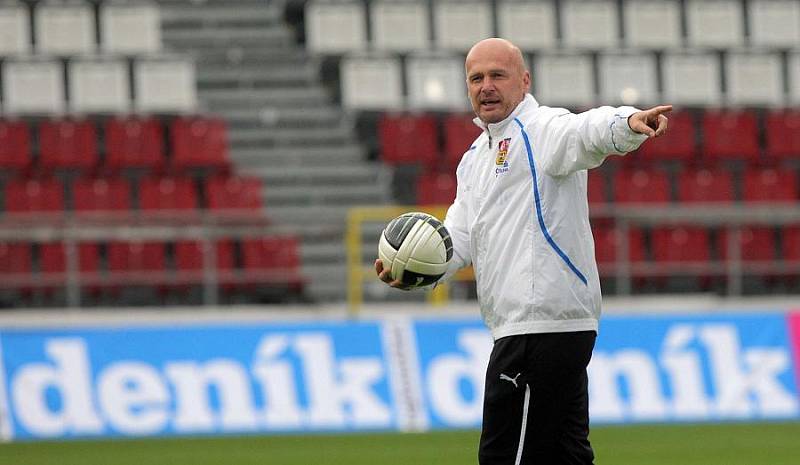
{"type": "Point", "coordinates": [284, 127]}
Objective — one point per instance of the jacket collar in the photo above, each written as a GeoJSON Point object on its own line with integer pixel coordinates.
{"type": "Point", "coordinates": [497, 128]}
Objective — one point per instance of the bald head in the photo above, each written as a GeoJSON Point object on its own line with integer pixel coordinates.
{"type": "Point", "coordinates": [497, 79]}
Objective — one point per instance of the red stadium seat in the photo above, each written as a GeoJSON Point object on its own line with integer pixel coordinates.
{"type": "Point", "coordinates": [67, 144]}
{"type": "Point", "coordinates": [680, 142]}
{"type": "Point", "coordinates": [52, 258]}
{"type": "Point", "coordinates": [757, 244]}
{"type": "Point", "coordinates": [641, 186]}
{"type": "Point", "coordinates": [134, 143]}
{"type": "Point", "coordinates": [408, 139]}
{"type": "Point", "coordinates": [782, 131]}
{"type": "Point", "coordinates": [459, 134]}
{"type": "Point", "coordinates": [189, 255]}
{"type": "Point", "coordinates": [730, 134]}
{"type": "Point", "coordinates": [101, 194]}
{"type": "Point", "coordinates": [15, 145]}
{"type": "Point", "coordinates": [271, 253]}
{"type": "Point", "coordinates": [136, 256]}
{"type": "Point", "coordinates": [436, 189]}
{"type": "Point", "coordinates": [34, 195]}
{"type": "Point", "coordinates": [234, 193]}
{"type": "Point", "coordinates": [15, 258]}
{"type": "Point", "coordinates": [790, 237]}
{"type": "Point", "coordinates": [596, 187]}
{"type": "Point", "coordinates": [681, 244]}
{"type": "Point", "coordinates": [199, 142]}
{"type": "Point", "coordinates": [770, 185]}
{"type": "Point", "coordinates": [705, 185]}
{"type": "Point", "coordinates": [167, 193]}
{"type": "Point", "coordinates": [607, 242]}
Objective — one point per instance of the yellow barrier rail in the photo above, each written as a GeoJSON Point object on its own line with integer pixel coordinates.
{"type": "Point", "coordinates": [358, 273]}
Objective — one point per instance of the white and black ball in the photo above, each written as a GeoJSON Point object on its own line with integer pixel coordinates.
{"type": "Point", "coordinates": [416, 248]}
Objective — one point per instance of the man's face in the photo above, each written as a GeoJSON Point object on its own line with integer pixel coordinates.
{"type": "Point", "coordinates": [496, 83]}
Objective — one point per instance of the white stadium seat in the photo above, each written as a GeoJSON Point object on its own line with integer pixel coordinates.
{"type": "Point", "coordinates": [15, 30]}
{"type": "Point", "coordinates": [400, 26]}
{"type": "Point", "coordinates": [649, 24]}
{"type": "Point", "coordinates": [98, 85]}
{"type": "Point", "coordinates": [436, 82]}
{"type": "Point", "coordinates": [754, 78]}
{"type": "Point", "coordinates": [714, 23]}
{"type": "Point", "coordinates": [564, 80]}
{"type": "Point", "coordinates": [130, 28]}
{"type": "Point", "coordinates": [774, 23]}
{"type": "Point", "coordinates": [794, 78]}
{"type": "Point", "coordinates": [531, 25]}
{"type": "Point", "coordinates": [33, 87]}
{"type": "Point", "coordinates": [459, 25]}
{"type": "Point", "coordinates": [65, 28]}
{"type": "Point", "coordinates": [371, 83]}
{"type": "Point", "coordinates": [628, 79]}
{"type": "Point", "coordinates": [590, 24]}
{"type": "Point", "coordinates": [691, 78]}
{"type": "Point", "coordinates": [335, 27]}
{"type": "Point", "coordinates": [164, 85]}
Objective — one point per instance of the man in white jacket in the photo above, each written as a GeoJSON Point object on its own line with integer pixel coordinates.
{"type": "Point", "coordinates": [521, 218]}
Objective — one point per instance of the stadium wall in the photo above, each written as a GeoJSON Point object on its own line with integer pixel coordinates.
{"type": "Point", "coordinates": [397, 372]}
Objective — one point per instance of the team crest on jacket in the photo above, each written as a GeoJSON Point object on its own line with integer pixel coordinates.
{"type": "Point", "coordinates": [501, 162]}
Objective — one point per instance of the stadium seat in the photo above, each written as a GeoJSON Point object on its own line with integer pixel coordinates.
{"type": "Point", "coordinates": [15, 29]}
{"type": "Point", "coordinates": [167, 193]}
{"type": "Point", "coordinates": [34, 195]}
{"type": "Point", "coordinates": [756, 244]}
{"type": "Point", "coordinates": [277, 256]}
{"type": "Point", "coordinates": [98, 85]}
{"type": "Point", "coordinates": [130, 28]}
{"type": "Point", "coordinates": [199, 142]}
{"type": "Point", "coordinates": [790, 237]}
{"type": "Point", "coordinates": [335, 27]}
{"type": "Point", "coordinates": [15, 258]}
{"type": "Point", "coordinates": [681, 244]}
{"type": "Point", "coordinates": [234, 193]}
{"type": "Point", "coordinates": [590, 25]}
{"type": "Point", "coordinates": [458, 25]}
{"type": "Point", "coordinates": [641, 186]}
{"type": "Point", "coordinates": [628, 79]}
{"type": "Point", "coordinates": [742, 69]}
{"type": "Point", "coordinates": [706, 185]}
{"type": "Point", "coordinates": [782, 131]}
{"type": "Point", "coordinates": [529, 25]}
{"type": "Point", "coordinates": [435, 82]}
{"type": "Point", "coordinates": [680, 142]}
{"type": "Point", "coordinates": [164, 84]}
{"type": "Point", "coordinates": [400, 26]}
{"type": "Point", "coordinates": [774, 23]}
{"type": "Point", "coordinates": [15, 145]}
{"type": "Point", "coordinates": [794, 77]}
{"type": "Point", "coordinates": [134, 142]}
{"type": "Point", "coordinates": [730, 134]}
{"type": "Point", "coordinates": [607, 241]}
{"type": "Point", "coordinates": [436, 188]}
{"type": "Point", "coordinates": [189, 255]}
{"type": "Point", "coordinates": [33, 86]}
{"type": "Point", "coordinates": [408, 139]}
{"type": "Point", "coordinates": [770, 185]}
{"type": "Point", "coordinates": [371, 82]}
{"type": "Point", "coordinates": [459, 134]}
{"type": "Point", "coordinates": [69, 144]}
{"type": "Point", "coordinates": [564, 79]}
{"type": "Point", "coordinates": [596, 187]}
{"type": "Point", "coordinates": [65, 28]}
{"type": "Point", "coordinates": [655, 25]}
{"type": "Point", "coordinates": [691, 78]}
{"type": "Point", "coordinates": [101, 195]}
{"type": "Point", "coordinates": [52, 257]}
{"type": "Point", "coordinates": [136, 256]}
{"type": "Point", "coordinates": [714, 23]}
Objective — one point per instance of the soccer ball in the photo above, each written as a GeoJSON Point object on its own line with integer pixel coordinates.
{"type": "Point", "coordinates": [416, 248]}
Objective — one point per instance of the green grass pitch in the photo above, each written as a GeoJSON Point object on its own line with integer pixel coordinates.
{"type": "Point", "coordinates": [726, 444]}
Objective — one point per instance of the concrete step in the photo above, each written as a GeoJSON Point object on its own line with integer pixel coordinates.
{"type": "Point", "coordinates": [266, 136]}
{"type": "Point", "coordinates": [257, 76]}
{"type": "Point", "coordinates": [297, 156]}
{"type": "Point", "coordinates": [277, 175]}
{"type": "Point", "coordinates": [223, 37]}
{"type": "Point", "coordinates": [280, 97]}
{"type": "Point", "coordinates": [249, 13]}
{"type": "Point", "coordinates": [257, 117]}
{"type": "Point", "coordinates": [308, 195]}
{"type": "Point", "coordinates": [245, 55]}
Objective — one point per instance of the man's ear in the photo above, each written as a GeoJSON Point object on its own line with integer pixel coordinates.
{"type": "Point", "coordinates": [526, 79]}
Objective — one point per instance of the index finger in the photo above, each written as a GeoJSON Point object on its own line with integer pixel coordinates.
{"type": "Point", "coordinates": [661, 109]}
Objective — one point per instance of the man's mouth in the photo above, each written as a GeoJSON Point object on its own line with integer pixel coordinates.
{"type": "Point", "coordinates": [490, 102]}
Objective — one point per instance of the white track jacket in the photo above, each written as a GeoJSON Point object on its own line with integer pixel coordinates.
{"type": "Point", "coordinates": [521, 216]}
